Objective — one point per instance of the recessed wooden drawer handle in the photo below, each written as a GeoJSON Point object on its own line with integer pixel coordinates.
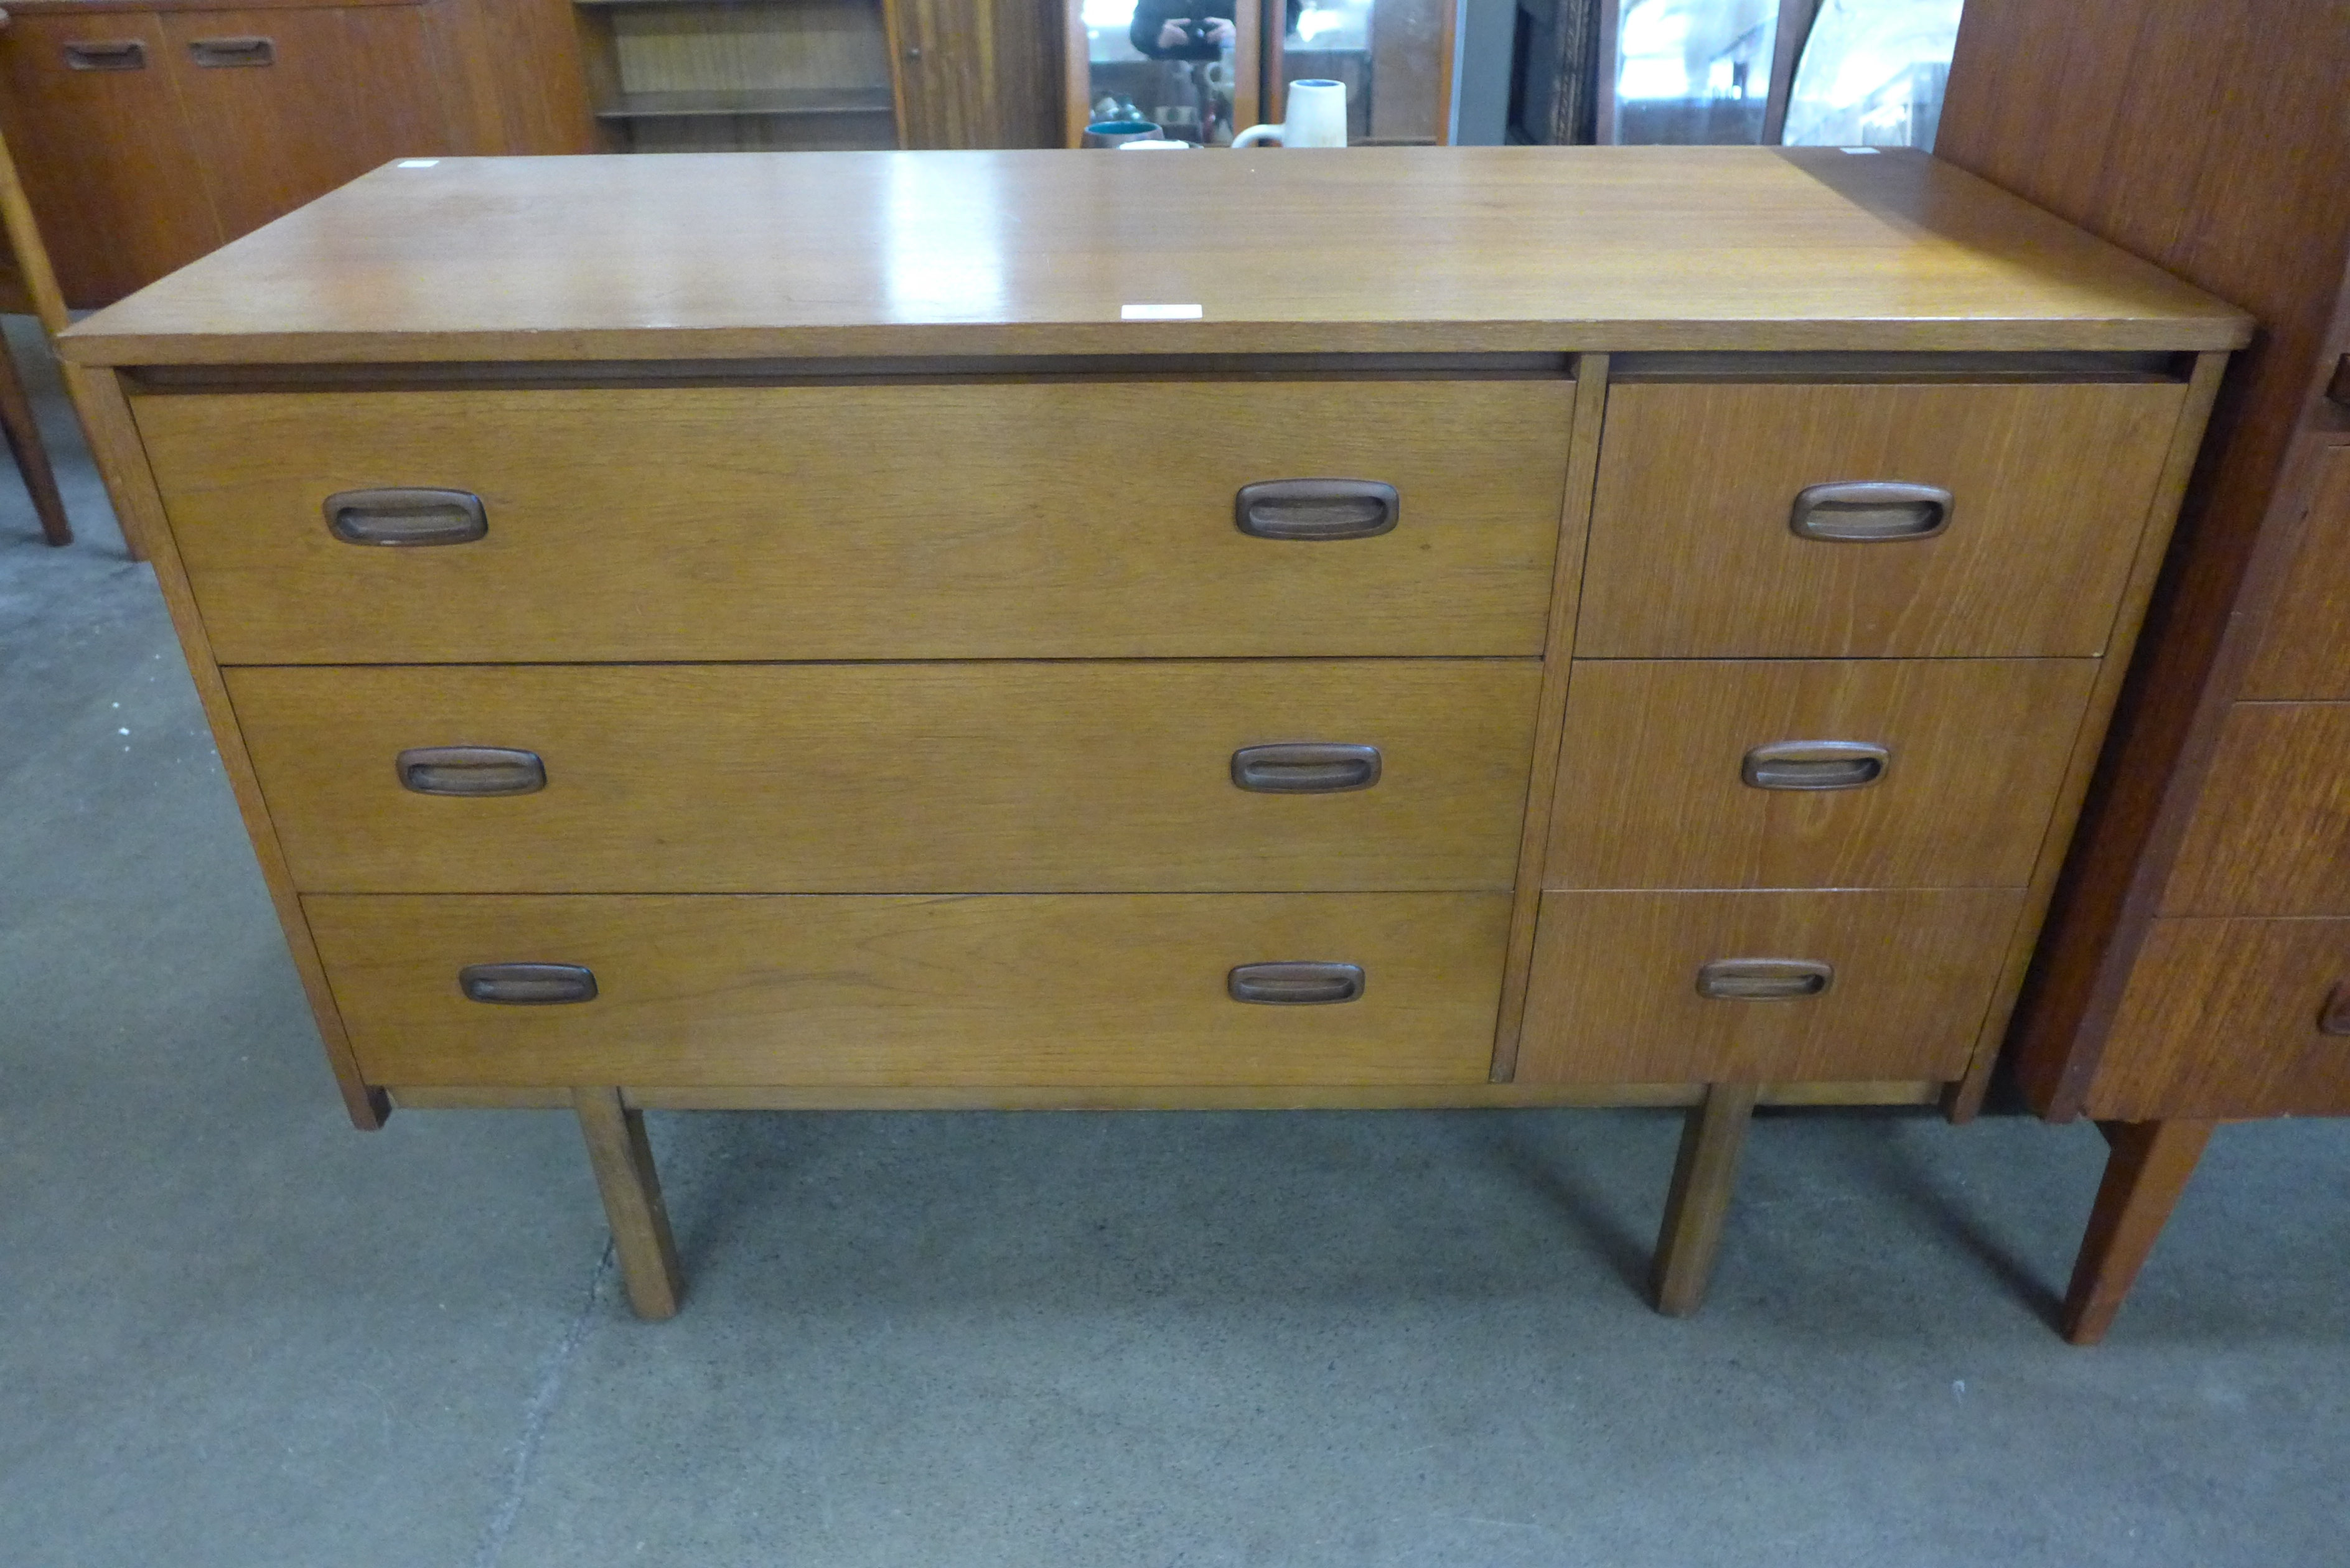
{"type": "Point", "coordinates": [406, 516]}
{"type": "Point", "coordinates": [243, 51]}
{"type": "Point", "coordinates": [1866, 512]}
{"type": "Point", "coordinates": [2334, 1019]}
{"type": "Point", "coordinates": [471, 770]}
{"type": "Point", "coordinates": [1307, 768]}
{"type": "Point", "coordinates": [1763, 980]}
{"type": "Point", "coordinates": [110, 54]}
{"type": "Point", "coordinates": [2338, 389]}
{"type": "Point", "coordinates": [1815, 765]}
{"type": "Point", "coordinates": [526, 984]}
{"type": "Point", "coordinates": [1318, 509]}
{"type": "Point", "coordinates": [1295, 984]}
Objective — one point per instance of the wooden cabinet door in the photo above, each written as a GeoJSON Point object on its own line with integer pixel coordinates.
{"type": "Point", "coordinates": [284, 105]}
{"type": "Point", "coordinates": [87, 107]}
{"type": "Point", "coordinates": [974, 73]}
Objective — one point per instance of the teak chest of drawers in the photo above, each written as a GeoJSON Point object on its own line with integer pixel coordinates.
{"type": "Point", "coordinates": [1556, 628]}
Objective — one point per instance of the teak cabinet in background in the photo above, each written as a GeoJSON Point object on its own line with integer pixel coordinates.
{"type": "Point", "coordinates": [2197, 961]}
{"type": "Point", "coordinates": [147, 136]}
{"type": "Point", "coordinates": [903, 676]}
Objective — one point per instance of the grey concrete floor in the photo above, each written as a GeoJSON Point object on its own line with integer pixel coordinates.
{"type": "Point", "coordinates": [234, 1332]}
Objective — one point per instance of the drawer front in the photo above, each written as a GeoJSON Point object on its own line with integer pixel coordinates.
{"type": "Point", "coordinates": [1751, 774]}
{"type": "Point", "coordinates": [1012, 777]}
{"type": "Point", "coordinates": [1041, 520]}
{"type": "Point", "coordinates": [2271, 834]}
{"type": "Point", "coordinates": [2231, 1018]}
{"type": "Point", "coordinates": [1068, 989]}
{"type": "Point", "coordinates": [1616, 997]}
{"type": "Point", "coordinates": [1695, 553]}
{"type": "Point", "coordinates": [2305, 649]}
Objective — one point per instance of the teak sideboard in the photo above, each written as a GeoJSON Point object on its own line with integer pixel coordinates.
{"type": "Point", "coordinates": [1377, 628]}
{"type": "Point", "coordinates": [2196, 963]}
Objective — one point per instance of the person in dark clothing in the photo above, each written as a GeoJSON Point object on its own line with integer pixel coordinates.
{"type": "Point", "coordinates": [1182, 30]}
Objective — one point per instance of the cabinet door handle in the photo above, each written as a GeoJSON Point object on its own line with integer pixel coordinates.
{"type": "Point", "coordinates": [213, 53]}
{"type": "Point", "coordinates": [1763, 980]}
{"type": "Point", "coordinates": [1317, 509]}
{"type": "Point", "coordinates": [2338, 389]}
{"type": "Point", "coordinates": [1870, 512]}
{"type": "Point", "coordinates": [1295, 984]}
{"type": "Point", "coordinates": [1305, 768]}
{"type": "Point", "coordinates": [1815, 765]}
{"type": "Point", "coordinates": [2334, 1018]}
{"type": "Point", "coordinates": [526, 984]}
{"type": "Point", "coordinates": [110, 55]}
{"type": "Point", "coordinates": [471, 770]}
{"type": "Point", "coordinates": [406, 516]}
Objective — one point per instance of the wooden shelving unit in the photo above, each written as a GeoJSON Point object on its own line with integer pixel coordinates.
{"type": "Point", "coordinates": [690, 75]}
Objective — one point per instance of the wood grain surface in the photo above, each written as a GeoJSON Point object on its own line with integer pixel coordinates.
{"type": "Point", "coordinates": [2220, 1020]}
{"type": "Point", "coordinates": [350, 87]}
{"type": "Point", "coordinates": [1649, 793]}
{"type": "Point", "coordinates": [1615, 992]}
{"type": "Point", "coordinates": [1691, 555]}
{"type": "Point", "coordinates": [1102, 990]}
{"type": "Point", "coordinates": [2304, 649]}
{"type": "Point", "coordinates": [2271, 834]}
{"type": "Point", "coordinates": [1047, 520]}
{"type": "Point", "coordinates": [116, 209]}
{"type": "Point", "coordinates": [937, 778]}
{"type": "Point", "coordinates": [1364, 249]}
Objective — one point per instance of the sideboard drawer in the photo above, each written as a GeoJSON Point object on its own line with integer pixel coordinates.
{"type": "Point", "coordinates": [1695, 543]}
{"type": "Point", "coordinates": [1813, 985]}
{"type": "Point", "coordinates": [1103, 990]}
{"type": "Point", "coordinates": [2271, 833]}
{"type": "Point", "coordinates": [2231, 1018]}
{"type": "Point", "coordinates": [1011, 777]}
{"type": "Point", "coordinates": [1808, 773]}
{"type": "Point", "coordinates": [1049, 519]}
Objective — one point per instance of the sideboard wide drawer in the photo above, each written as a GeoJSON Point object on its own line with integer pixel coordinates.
{"type": "Point", "coordinates": [1048, 519]}
{"type": "Point", "coordinates": [1811, 773]}
{"type": "Point", "coordinates": [1102, 990]}
{"type": "Point", "coordinates": [2232, 1017]}
{"type": "Point", "coordinates": [1675, 988]}
{"type": "Point", "coordinates": [934, 778]}
{"type": "Point", "coordinates": [1699, 546]}
{"type": "Point", "coordinates": [2270, 832]}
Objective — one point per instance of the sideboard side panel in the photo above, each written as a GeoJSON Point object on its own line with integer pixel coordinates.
{"type": "Point", "coordinates": [130, 485]}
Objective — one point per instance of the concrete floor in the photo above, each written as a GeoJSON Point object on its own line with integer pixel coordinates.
{"type": "Point", "coordinates": [237, 1333]}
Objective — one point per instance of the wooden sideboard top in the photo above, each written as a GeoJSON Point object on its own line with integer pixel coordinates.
{"type": "Point", "coordinates": [1450, 250]}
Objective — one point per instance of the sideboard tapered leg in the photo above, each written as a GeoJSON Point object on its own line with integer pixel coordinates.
{"type": "Point", "coordinates": [1703, 1179]}
{"type": "Point", "coordinates": [2145, 1174]}
{"type": "Point", "coordinates": [623, 1160]}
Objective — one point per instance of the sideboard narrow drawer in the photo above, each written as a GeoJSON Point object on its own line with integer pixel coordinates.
{"type": "Point", "coordinates": [1052, 519]}
{"type": "Point", "coordinates": [1634, 986]}
{"type": "Point", "coordinates": [1727, 524]}
{"type": "Point", "coordinates": [1155, 776]}
{"type": "Point", "coordinates": [1811, 773]}
{"type": "Point", "coordinates": [1103, 990]}
{"type": "Point", "coordinates": [2231, 1017]}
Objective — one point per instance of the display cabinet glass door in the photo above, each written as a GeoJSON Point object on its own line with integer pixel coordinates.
{"type": "Point", "coordinates": [1188, 67]}
{"type": "Point", "coordinates": [1395, 57]}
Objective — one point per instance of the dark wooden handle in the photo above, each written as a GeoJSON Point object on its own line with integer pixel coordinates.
{"type": "Point", "coordinates": [1316, 509]}
{"type": "Point", "coordinates": [1305, 768]}
{"type": "Point", "coordinates": [406, 516]}
{"type": "Point", "coordinates": [1763, 980]}
{"type": "Point", "coordinates": [1295, 984]}
{"type": "Point", "coordinates": [107, 55]}
{"type": "Point", "coordinates": [215, 53]}
{"type": "Point", "coordinates": [526, 984]}
{"type": "Point", "coordinates": [471, 770]}
{"type": "Point", "coordinates": [1864, 512]}
{"type": "Point", "coordinates": [1815, 765]}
